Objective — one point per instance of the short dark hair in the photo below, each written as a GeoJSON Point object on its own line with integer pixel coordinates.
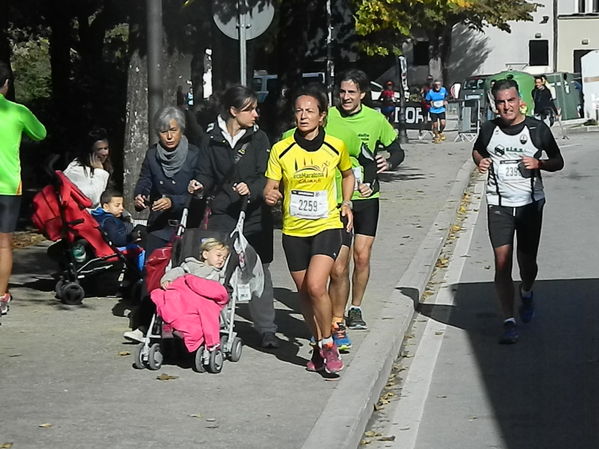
{"type": "Point", "coordinates": [504, 84]}
{"type": "Point", "coordinates": [357, 76]}
{"type": "Point", "coordinates": [108, 195]}
{"type": "Point", "coordinates": [5, 73]}
{"type": "Point", "coordinates": [316, 91]}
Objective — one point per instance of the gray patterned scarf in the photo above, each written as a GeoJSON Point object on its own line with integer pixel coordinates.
{"type": "Point", "coordinates": [172, 161]}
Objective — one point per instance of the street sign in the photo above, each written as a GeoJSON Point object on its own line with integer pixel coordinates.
{"type": "Point", "coordinates": [258, 16]}
{"type": "Point", "coordinates": [243, 20]}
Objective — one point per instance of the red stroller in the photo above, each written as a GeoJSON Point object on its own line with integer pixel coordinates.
{"type": "Point", "coordinates": [59, 212]}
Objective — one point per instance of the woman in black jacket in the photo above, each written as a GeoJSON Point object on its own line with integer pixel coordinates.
{"type": "Point", "coordinates": [165, 173]}
{"type": "Point", "coordinates": [234, 154]}
{"type": "Point", "coordinates": [162, 187]}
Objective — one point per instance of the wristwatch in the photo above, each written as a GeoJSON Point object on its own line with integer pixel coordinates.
{"type": "Point", "coordinates": [348, 204]}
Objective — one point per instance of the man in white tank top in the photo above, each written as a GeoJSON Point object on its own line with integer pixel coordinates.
{"type": "Point", "coordinates": [510, 149]}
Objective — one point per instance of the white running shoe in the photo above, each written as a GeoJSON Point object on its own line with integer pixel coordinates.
{"type": "Point", "coordinates": [135, 335]}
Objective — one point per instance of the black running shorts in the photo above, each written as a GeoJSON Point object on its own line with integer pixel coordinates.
{"type": "Point", "coordinates": [524, 221]}
{"type": "Point", "coordinates": [366, 216]}
{"type": "Point", "coordinates": [299, 250]}
{"type": "Point", "coordinates": [437, 116]}
{"type": "Point", "coordinates": [10, 205]}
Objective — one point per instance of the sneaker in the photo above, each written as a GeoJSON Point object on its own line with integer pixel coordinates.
{"type": "Point", "coordinates": [4, 301]}
{"type": "Point", "coordinates": [354, 319]}
{"type": "Point", "coordinates": [316, 363]}
{"type": "Point", "coordinates": [510, 333]}
{"type": "Point", "coordinates": [340, 338]}
{"type": "Point", "coordinates": [136, 335]}
{"type": "Point", "coordinates": [332, 360]}
{"type": "Point", "coordinates": [269, 340]}
{"type": "Point", "coordinates": [527, 309]}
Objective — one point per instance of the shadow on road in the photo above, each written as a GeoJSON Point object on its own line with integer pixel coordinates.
{"type": "Point", "coordinates": [545, 389]}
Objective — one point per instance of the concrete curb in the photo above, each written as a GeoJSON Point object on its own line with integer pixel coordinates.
{"type": "Point", "coordinates": [349, 408]}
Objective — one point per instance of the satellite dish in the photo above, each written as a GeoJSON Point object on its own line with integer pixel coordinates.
{"type": "Point", "coordinates": [257, 17]}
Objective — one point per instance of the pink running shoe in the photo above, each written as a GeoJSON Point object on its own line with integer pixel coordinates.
{"type": "Point", "coordinates": [316, 363]}
{"type": "Point", "coordinates": [332, 360]}
{"type": "Point", "coordinates": [4, 301]}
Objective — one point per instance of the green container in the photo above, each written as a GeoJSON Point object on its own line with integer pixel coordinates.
{"type": "Point", "coordinates": [567, 93]}
{"type": "Point", "coordinates": [526, 83]}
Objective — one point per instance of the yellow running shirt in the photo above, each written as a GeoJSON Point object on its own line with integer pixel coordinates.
{"type": "Point", "coordinates": [308, 177]}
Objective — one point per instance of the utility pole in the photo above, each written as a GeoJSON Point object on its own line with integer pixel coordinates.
{"type": "Point", "coordinates": [154, 23]}
{"type": "Point", "coordinates": [330, 69]}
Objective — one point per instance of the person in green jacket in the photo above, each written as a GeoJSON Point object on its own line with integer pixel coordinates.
{"type": "Point", "coordinates": [14, 120]}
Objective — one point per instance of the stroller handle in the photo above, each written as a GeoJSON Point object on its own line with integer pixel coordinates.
{"type": "Point", "coordinates": [245, 201]}
{"type": "Point", "coordinates": [50, 162]}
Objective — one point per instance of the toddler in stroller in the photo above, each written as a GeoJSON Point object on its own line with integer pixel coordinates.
{"type": "Point", "coordinates": [208, 310]}
{"type": "Point", "coordinates": [81, 249]}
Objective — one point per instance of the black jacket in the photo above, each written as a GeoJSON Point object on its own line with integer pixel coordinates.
{"type": "Point", "coordinates": [543, 101]}
{"type": "Point", "coordinates": [154, 183]}
{"type": "Point", "coordinates": [221, 167]}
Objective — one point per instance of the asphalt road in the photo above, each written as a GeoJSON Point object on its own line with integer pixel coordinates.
{"type": "Point", "coordinates": [459, 388]}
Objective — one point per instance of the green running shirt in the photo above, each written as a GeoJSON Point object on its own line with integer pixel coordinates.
{"type": "Point", "coordinates": [14, 120]}
{"type": "Point", "coordinates": [370, 126]}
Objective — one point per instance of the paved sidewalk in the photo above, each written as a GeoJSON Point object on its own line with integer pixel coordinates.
{"type": "Point", "coordinates": [68, 380]}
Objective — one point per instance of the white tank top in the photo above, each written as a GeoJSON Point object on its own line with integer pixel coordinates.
{"type": "Point", "coordinates": [509, 183]}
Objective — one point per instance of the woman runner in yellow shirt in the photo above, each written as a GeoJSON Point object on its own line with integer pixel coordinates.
{"type": "Point", "coordinates": [306, 163]}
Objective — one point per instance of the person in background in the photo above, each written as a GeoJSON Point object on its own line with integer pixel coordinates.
{"type": "Point", "coordinates": [15, 119]}
{"type": "Point", "coordinates": [91, 170]}
{"type": "Point", "coordinates": [437, 100]}
{"type": "Point", "coordinates": [388, 101]}
{"type": "Point", "coordinates": [424, 105]}
{"type": "Point", "coordinates": [545, 108]}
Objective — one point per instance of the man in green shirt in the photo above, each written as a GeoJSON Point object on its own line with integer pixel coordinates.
{"type": "Point", "coordinates": [14, 120]}
{"type": "Point", "coordinates": [374, 131]}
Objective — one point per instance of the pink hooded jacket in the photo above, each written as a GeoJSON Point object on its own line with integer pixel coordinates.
{"type": "Point", "coordinates": [192, 306]}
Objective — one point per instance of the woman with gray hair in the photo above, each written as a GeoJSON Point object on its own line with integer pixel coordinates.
{"type": "Point", "coordinates": [162, 187]}
{"type": "Point", "coordinates": [165, 172]}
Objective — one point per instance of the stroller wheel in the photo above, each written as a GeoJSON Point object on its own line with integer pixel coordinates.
{"type": "Point", "coordinates": [138, 362]}
{"type": "Point", "coordinates": [155, 357]}
{"type": "Point", "coordinates": [236, 349]}
{"type": "Point", "coordinates": [72, 293]}
{"type": "Point", "coordinates": [215, 362]}
{"type": "Point", "coordinates": [58, 288]}
{"type": "Point", "coordinates": [198, 361]}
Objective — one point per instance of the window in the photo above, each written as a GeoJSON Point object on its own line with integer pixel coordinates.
{"type": "Point", "coordinates": [595, 5]}
{"type": "Point", "coordinates": [582, 6]}
{"type": "Point", "coordinates": [421, 53]}
{"type": "Point", "coordinates": [538, 52]}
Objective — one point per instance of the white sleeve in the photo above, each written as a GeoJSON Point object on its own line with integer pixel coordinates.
{"type": "Point", "coordinates": [91, 186]}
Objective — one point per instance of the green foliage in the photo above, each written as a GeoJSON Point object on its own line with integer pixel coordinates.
{"type": "Point", "coordinates": [386, 24]}
{"type": "Point", "coordinates": [31, 64]}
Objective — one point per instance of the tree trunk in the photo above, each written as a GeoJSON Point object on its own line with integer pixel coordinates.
{"type": "Point", "coordinates": [136, 126]}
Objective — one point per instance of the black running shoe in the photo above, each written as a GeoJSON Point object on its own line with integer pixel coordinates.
{"type": "Point", "coordinates": [354, 319]}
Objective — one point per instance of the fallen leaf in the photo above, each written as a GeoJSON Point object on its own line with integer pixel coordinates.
{"type": "Point", "coordinates": [165, 376]}
{"type": "Point", "coordinates": [124, 353]}
{"type": "Point", "coordinates": [441, 396]}
{"type": "Point", "coordinates": [438, 333]}
{"type": "Point", "coordinates": [210, 419]}
{"type": "Point", "coordinates": [364, 442]}
{"type": "Point", "coordinates": [195, 415]}
{"type": "Point", "coordinates": [387, 438]}
{"type": "Point", "coordinates": [6, 445]}
{"type": "Point", "coordinates": [370, 433]}
{"type": "Point", "coordinates": [45, 425]}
